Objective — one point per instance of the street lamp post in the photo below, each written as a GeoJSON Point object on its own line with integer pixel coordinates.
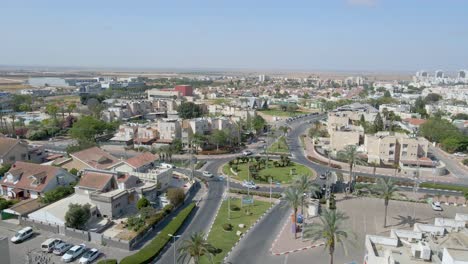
{"type": "Point", "coordinates": [271, 182]}
{"type": "Point", "coordinates": [228, 198]}
{"type": "Point", "coordinates": [173, 239]}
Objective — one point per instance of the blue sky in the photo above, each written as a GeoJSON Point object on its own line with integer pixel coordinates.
{"type": "Point", "coordinates": [371, 35]}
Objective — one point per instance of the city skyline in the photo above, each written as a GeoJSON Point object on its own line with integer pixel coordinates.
{"type": "Point", "coordinates": [343, 35]}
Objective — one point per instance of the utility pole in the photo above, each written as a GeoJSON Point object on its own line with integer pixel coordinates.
{"type": "Point", "coordinates": [228, 198]}
{"type": "Point", "coordinates": [174, 242]}
{"type": "Point", "coordinates": [271, 182]}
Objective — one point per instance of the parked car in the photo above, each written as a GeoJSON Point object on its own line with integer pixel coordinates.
{"type": "Point", "coordinates": [49, 245]}
{"type": "Point", "coordinates": [460, 154]}
{"type": "Point", "coordinates": [167, 166]}
{"type": "Point", "coordinates": [207, 174]}
{"type": "Point", "coordinates": [61, 248]}
{"type": "Point", "coordinates": [249, 184]}
{"type": "Point", "coordinates": [323, 176]}
{"type": "Point", "coordinates": [22, 235]}
{"type": "Point", "coordinates": [436, 206]}
{"type": "Point", "coordinates": [163, 201]}
{"type": "Point", "coordinates": [89, 256]}
{"type": "Point", "coordinates": [73, 253]}
{"type": "Point", "coordinates": [247, 152]}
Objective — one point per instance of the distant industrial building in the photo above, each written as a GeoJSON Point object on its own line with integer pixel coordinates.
{"type": "Point", "coordinates": [184, 90]}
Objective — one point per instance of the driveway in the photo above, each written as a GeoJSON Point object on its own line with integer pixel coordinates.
{"type": "Point", "coordinates": [452, 163]}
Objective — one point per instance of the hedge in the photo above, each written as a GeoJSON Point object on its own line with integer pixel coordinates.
{"type": "Point", "coordinates": [150, 251]}
{"type": "Point", "coordinates": [444, 186]}
{"type": "Point", "coordinates": [257, 193]}
{"type": "Point", "coordinates": [200, 164]}
{"type": "Point", "coordinates": [107, 261]}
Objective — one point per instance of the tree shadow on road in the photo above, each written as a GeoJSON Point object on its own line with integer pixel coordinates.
{"type": "Point", "coordinates": [408, 220]}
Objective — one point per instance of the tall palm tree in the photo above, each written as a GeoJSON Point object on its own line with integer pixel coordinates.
{"type": "Point", "coordinates": [330, 228]}
{"type": "Point", "coordinates": [350, 155]}
{"type": "Point", "coordinates": [304, 184]}
{"type": "Point", "coordinates": [195, 247]}
{"type": "Point", "coordinates": [386, 189]}
{"type": "Point", "coordinates": [293, 196]}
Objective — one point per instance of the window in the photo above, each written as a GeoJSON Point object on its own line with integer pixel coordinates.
{"type": "Point", "coordinates": [12, 158]}
{"type": "Point", "coordinates": [391, 153]}
{"type": "Point", "coordinates": [392, 145]}
{"type": "Point", "coordinates": [404, 154]}
{"type": "Point", "coordinates": [117, 205]}
{"type": "Point", "coordinates": [405, 146]}
{"type": "Point", "coordinates": [23, 156]}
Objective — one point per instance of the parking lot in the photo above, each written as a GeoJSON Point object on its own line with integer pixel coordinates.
{"type": "Point", "coordinates": [366, 216]}
{"type": "Point", "coordinates": [18, 252]}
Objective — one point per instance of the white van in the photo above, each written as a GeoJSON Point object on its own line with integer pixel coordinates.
{"type": "Point", "coordinates": [22, 235]}
{"type": "Point", "coordinates": [167, 166]}
{"type": "Point", "coordinates": [49, 245]}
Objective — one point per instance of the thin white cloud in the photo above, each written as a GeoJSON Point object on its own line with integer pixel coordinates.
{"type": "Point", "coordinates": [362, 2]}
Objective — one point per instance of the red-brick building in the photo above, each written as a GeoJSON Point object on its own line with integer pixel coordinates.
{"type": "Point", "coordinates": [185, 90]}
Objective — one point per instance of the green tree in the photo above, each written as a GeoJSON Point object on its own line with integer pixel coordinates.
{"type": "Point", "coordinates": [188, 110]}
{"type": "Point", "coordinates": [386, 189]}
{"type": "Point", "coordinates": [175, 195]}
{"type": "Point", "coordinates": [378, 123]}
{"type": "Point", "coordinates": [56, 194]}
{"type": "Point", "coordinates": [70, 108]}
{"type": "Point", "coordinates": [194, 248]}
{"type": "Point", "coordinates": [436, 130]}
{"type": "Point", "coordinates": [258, 123]}
{"type": "Point", "coordinates": [52, 109]}
{"type": "Point", "coordinates": [293, 198]}
{"type": "Point", "coordinates": [419, 107]}
{"type": "Point", "coordinates": [87, 128]}
{"type": "Point", "coordinates": [218, 137]}
{"type": "Point", "coordinates": [77, 215]}
{"type": "Point", "coordinates": [305, 185]}
{"type": "Point", "coordinates": [351, 155]}
{"type": "Point", "coordinates": [432, 98]}
{"type": "Point", "coordinates": [74, 171]}
{"type": "Point", "coordinates": [142, 203]}
{"type": "Point", "coordinates": [460, 116]}
{"type": "Point", "coordinates": [387, 94]}
{"type": "Point", "coordinates": [4, 169]}
{"type": "Point", "coordinates": [330, 228]}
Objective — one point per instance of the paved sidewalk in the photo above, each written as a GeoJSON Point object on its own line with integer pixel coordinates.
{"type": "Point", "coordinates": [285, 242]}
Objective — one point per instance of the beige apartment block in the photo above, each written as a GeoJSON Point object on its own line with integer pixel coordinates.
{"type": "Point", "coordinates": [340, 139]}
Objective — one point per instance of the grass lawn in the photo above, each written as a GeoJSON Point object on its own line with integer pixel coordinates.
{"type": "Point", "coordinates": [279, 174]}
{"type": "Point", "coordinates": [278, 112]}
{"type": "Point", "coordinates": [279, 146]}
{"type": "Point", "coordinates": [225, 240]}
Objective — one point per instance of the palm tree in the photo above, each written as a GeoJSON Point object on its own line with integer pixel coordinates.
{"type": "Point", "coordinates": [195, 247]}
{"type": "Point", "coordinates": [284, 129]}
{"type": "Point", "coordinates": [330, 228]}
{"type": "Point", "coordinates": [374, 167]}
{"type": "Point", "coordinates": [304, 185]}
{"type": "Point", "coordinates": [293, 196]}
{"type": "Point", "coordinates": [350, 155]}
{"type": "Point", "coordinates": [386, 189]}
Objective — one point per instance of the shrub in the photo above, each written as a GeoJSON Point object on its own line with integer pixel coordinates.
{"type": "Point", "coordinates": [256, 193]}
{"type": "Point", "coordinates": [4, 169]}
{"type": "Point", "coordinates": [74, 171]}
{"type": "Point", "coordinates": [4, 204]}
{"type": "Point", "coordinates": [175, 195]}
{"type": "Point", "coordinates": [227, 227]}
{"type": "Point", "coordinates": [143, 202]}
{"type": "Point", "coordinates": [135, 223]}
{"type": "Point", "coordinates": [168, 209]}
{"type": "Point", "coordinates": [234, 207]}
{"type": "Point", "coordinates": [465, 162]}
{"type": "Point", "coordinates": [150, 251]}
{"type": "Point", "coordinates": [200, 164]}
{"type": "Point", "coordinates": [57, 194]}
{"type": "Point", "coordinates": [77, 215]}
{"type": "Point", "coordinates": [107, 261]}
{"type": "Point", "coordinates": [444, 186]}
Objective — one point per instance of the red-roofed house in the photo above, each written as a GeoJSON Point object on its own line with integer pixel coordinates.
{"type": "Point", "coordinates": [93, 158]}
{"type": "Point", "coordinates": [139, 163]}
{"type": "Point", "coordinates": [29, 180]}
{"type": "Point", "coordinates": [413, 123]}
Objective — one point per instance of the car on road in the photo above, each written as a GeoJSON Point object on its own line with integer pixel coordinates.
{"type": "Point", "coordinates": [207, 174]}
{"type": "Point", "coordinates": [49, 245]}
{"type": "Point", "coordinates": [22, 235]}
{"type": "Point", "coordinates": [61, 248]}
{"type": "Point", "coordinates": [323, 176]}
{"type": "Point", "coordinates": [249, 184]}
{"type": "Point", "coordinates": [89, 256]}
{"type": "Point", "coordinates": [459, 154]}
{"type": "Point", "coordinates": [73, 253]}
{"type": "Point", "coordinates": [167, 166]}
{"type": "Point", "coordinates": [436, 206]}
{"type": "Point", "coordinates": [247, 152]}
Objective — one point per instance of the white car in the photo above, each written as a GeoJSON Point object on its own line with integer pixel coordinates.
{"type": "Point", "coordinates": [436, 206]}
{"type": "Point", "coordinates": [73, 253]}
{"type": "Point", "coordinates": [250, 185]}
{"type": "Point", "coordinates": [207, 174]}
{"type": "Point", "coordinates": [460, 154]}
{"type": "Point", "coordinates": [22, 235]}
{"type": "Point", "coordinates": [247, 153]}
{"type": "Point", "coordinates": [89, 256]}
{"type": "Point", "coordinates": [167, 166]}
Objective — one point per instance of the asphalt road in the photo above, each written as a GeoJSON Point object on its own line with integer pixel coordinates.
{"type": "Point", "coordinates": [205, 213]}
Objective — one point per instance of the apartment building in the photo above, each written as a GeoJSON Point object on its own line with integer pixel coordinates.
{"type": "Point", "coordinates": [169, 129]}
{"type": "Point", "coordinates": [392, 148]}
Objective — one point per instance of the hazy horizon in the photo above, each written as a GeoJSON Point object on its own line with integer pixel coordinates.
{"type": "Point", "coordinates": [339, 35]}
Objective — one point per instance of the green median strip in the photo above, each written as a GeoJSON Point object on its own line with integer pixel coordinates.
{"type": "Point", "coordinates": [224, 239]}
{"type": "Point", "coordinates": [152, 250]}
{"type": "Point", "coordinates": [441, 186]}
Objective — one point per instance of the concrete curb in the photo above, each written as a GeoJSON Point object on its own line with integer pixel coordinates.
{"type": "Point", "coordinates": [250, 228]}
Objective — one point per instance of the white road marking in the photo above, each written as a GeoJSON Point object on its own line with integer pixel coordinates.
{"type": "Point", "coordinates": [286, 259]}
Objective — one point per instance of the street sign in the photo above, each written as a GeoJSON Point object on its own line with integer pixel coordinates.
{"type": "Point", "coordinates": [247, 200]}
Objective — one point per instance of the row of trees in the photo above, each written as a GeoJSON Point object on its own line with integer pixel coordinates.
{"type": "Point", "coordinates": [442, 131]}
